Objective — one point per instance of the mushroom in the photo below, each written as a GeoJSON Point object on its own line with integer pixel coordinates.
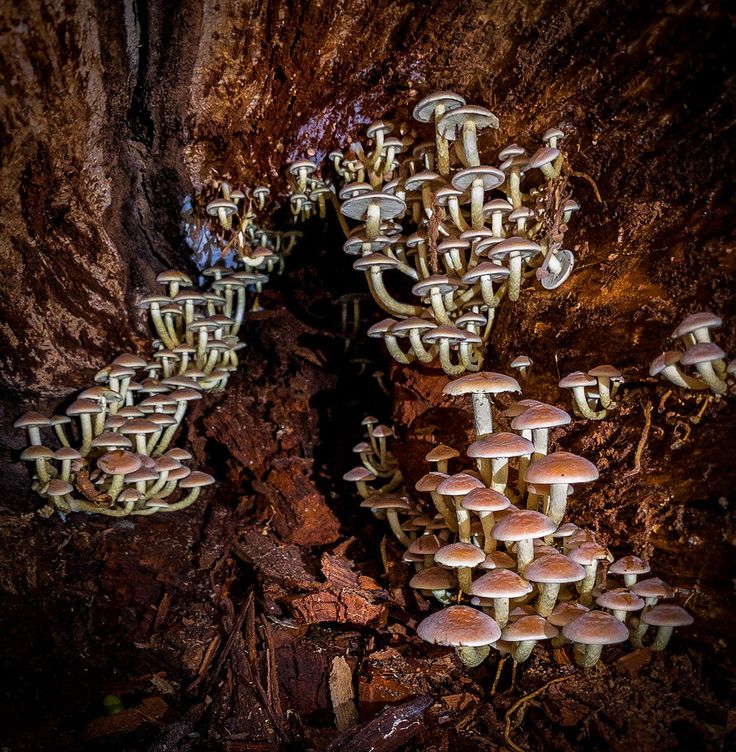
{"type": "Point", "coordinates": [666, 616]}
{"type": "Point", "coordinates": [40, 455]}
{"type": "Point", "coordinates": [462, 557]}
{"type": "Point", "coordinates": [481, 386]}
{"type": "Point", "coordinates": [588, 554]}
{"type": "Point", "coordinates": [666, 365]}
{"type": "Point", "coordinates": [493, 452]}
{"type": "Point", "coordinates": [630, 567]}
{"type": "Point", "coordinates": [525, 632]}
{"type": "Point", "coordinates": [522, 527]}
{"type": "Point", "coordinates": [562, 614]}
{"type": "Point", "coordinates": [620, 601]}
{"type": "Point", "coordinates": [466, 629]}
{"type": "Point", "coordinates": [427, 546]}
{"type": "Point", "coordinates": [696, 328]}
{"type": "Point", "coordinates": [430, 110]}
{"type": "Point", "coordinates": [118, 464]}
{"type": "Point", "coordinates": [361, 476]}
{"type": "Point", "coordinates": [435, 581]}
{"type": "Point", "coordinates": [590, 632]}
{"type": "Point", "coordinates": [484, 502]}
{"type": "Point", "coordinates": [465, 122]}
{"type": "Point", "coordinates": [33, 422]}
{"type": "Point", "coordinates": [479, 180]}
{"type": "Point", "coordinates": [606, 375]}
{"type": "Point", "coordinates": [429, 483]}
{"type": "Point", "coordinates": [707, 357]}
{"type": "Point", "coordinates": [517, 250]}
{"type": "Point", "coordinates": [549, 572]}
{"type": "Point", "coordinates": [391, 504]}
{"type": "Point", "coordinates": [384, 330]}
{"type": "Point", "coordinates": [522, 364]}
{"type": "Point", "coordinates": [546, 159]}
{"type": "Point", "coordinates": [441, 455]}
{"type": "Point", "coordinates": [578, 381]}
{"type": "Point", "coordinates": [501, 585]}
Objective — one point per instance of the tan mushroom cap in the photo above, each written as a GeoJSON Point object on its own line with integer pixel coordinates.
{"type": "Point", "coordinates": [606, 370]}
{"type": "Point", "coordinates": [498, 560]}
{"type": "Point", "coordinates": [565, 530]}
{"type": "Point", "coordinates": [196, 479]}
{"type": "Point", "coordinates": [459, 555]}
{"type": "Point", "coordinates": [386, 501]}
{"type": "Point", "coordinates": [523, 525]}
{"type": "Point", "coordinates": [483, 382]}
{"type": "Point", "coordinates": [703, 352]}
{"type": "Point", "coordinates": [485, 500]}
{"type": "Point", "coordinates": [596, 628]}
{"type": "Point", "coordinates": [429, 482]}
{"type": "Point", "coordinates": [554, 569]}
{"type": "Point", "coordinates": [433, 578]}
{"type": "Point", "coordinates": [587, 553]}
{"type": "Point", "coordinates": [540, 416]}
{"type": "Point", "coordinates": [83, 407]}
{"type": "Point", "coordinates": [139, 426]}
{"type": "Point", "coordinates": [119, 462]}
{"type": "Point", "coordinates": [142, 474]}
{"type": "Point", "coordinates": [374, 261]}
{"type": "Point", "coordinates": [697, 321]}
{"type": "Point", "coordinates": [485, 269]}
{"type": "Point", "coordinates": [576, 379]}
{"type": "Point", "coordinates": [425, 545]}
{"type": "Point", "coordinates": [67, 453]}
{"type": "Point", "coordinates": [459, 485]}
{"type": "Point", "coordinates": [564, 613]}
{"type": "Point", "coordinates": [443, 282]}
{"type": "Point", "coordinates": [111, 439]}
{"type": "Point", "coordinates": [517, 408]}
{"type": "Point", "coordinates": [500, 583]}
{"type": "Point", "coordinates": [357, 206]}
{"type": "Point", "coordinates": [382, 432]}
{"type": "Point", "coordinates": [561, 467]}
{"type": "Point", "coordinates": [653, 588]}
{"type": "Point", "coordinates": [500, 445]}
{"type": "Point", "coordinates": [358, 473]}
{"type": "Point", "coordinates": [452, 122]}
{"type": "Point", "coordinates": [667, 615]}
{"type": "Point", "coordinates": [521, 361]}
{"type": "Point", "coordinates": [530, 627]}
{"type": "Point", "coordinates": [32, 418]}
{"type": "Point", "coordinates": [425, 108]}
{"type": "Point", "coordinates": [459, 626]}
{"type": "Point", "coordinates": [620, 600]}
{"type": "Point", "coordinates": [629, 565]}
{"type": "Point", "coordinates": [441, 453]}
{"type": "Point", "coordinates": [543, 156]}
{"type": "Point", "coordinates": [58, 487]}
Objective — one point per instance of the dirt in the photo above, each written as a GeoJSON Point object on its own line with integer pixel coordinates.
{"type": "Point", "coordinates": [217, 628]}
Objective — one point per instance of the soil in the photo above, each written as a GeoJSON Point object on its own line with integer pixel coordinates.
{"type": "Point", "coordinates": [220, 626]}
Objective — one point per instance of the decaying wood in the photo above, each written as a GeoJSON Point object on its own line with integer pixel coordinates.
{"type": "Point", "coordinates": [342, 694]}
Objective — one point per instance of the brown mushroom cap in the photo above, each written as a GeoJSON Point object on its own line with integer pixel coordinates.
{"type": "Point", "coordinates": [587, 553]}
{"type": "Point", "coordinates": [30, 419]}
{"type": "Point", "coordinates": [500, 583]}
{"type": "Point", "coordinates": [561, 467]}
{"type": "Point", "coordinates": [358, 473]}
{"type": "Point", "coordinates": [459, 485]}
{"type": "Point", "coordinates": [652, 588]}
{"type": "Point", "coordinates": [564, 613]}
{"type": "Point", "coordinates": [620, 600]}
{"type": "Point", "coordinates": [667, 615]}
{"type": "Point", "coordinates": [119, 462]}
{"type": "Point", "coordinates": [429, 482]}
{"type": "Point", "coordinates": [605, 370]}
{"type": "Point", "coordinates": [386, 501]}
{"type": "Point", "coordinates": [196, 479]}
{"type": "Point", "coordinates": [425, 545]}
{"type": "Point", "coordinates": [596, 628]}
{"type": "Point", "coordinates": [483, 382]}
{"type": "Point", "coordinates": [576, 379]}
{"type": "Point", "coordinates": [433, 578]}
{"type": "Point", "coordinates": [703, 352]}
{"type": "Point", "coordinates": [629, 565]}
{"type": "Point", "coordinates": [554, 568]}
{"type": "Point", "coordinates": [459, 626]}
{"type": "Point", "coordinates": [523, 525]}
{"type": "Point", "coordinates": [441, 453]}
{"type": "Point", "coordinates": [697, 321]}
{"type": "Point", "coordinates": [485, 500]}
{"type": "Point", "coordinates": [531, 627]}
{"type": "Point", "coordinates": [498, 560]}
{"type": "Point", "coordinates": [540, 416]}
{"type": "Point", "coordinates": [498, 445]}
{"type": "Point", "coordinates": [459, 555]}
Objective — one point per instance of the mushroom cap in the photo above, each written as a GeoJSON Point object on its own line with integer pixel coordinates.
{"type": "Point", "coordinates": [459, 626]}
{"type": "Point", "coordinates": [382, 432]}
{"type": "Point", "coordinates": [517, 408]}
{"type": "Point", "coordinates": [416, 181]}
{"type": "Point", "coordinates": [577, 379]}
{"type": "Point", "coordinates": [112, 439]}
{"type": "Point", "coordinates": [83, 407]}
{"type": "Point", "coordinates": [565, 530]}
{"type": "Point", "coordinates": [425, 108]}
{"type": "Point", "coordinates": [653, 588]}
{"type": "Point", "coordinates": [196, 479]}
{"type": "Point", "coordinates": [500, 445]}
{"type": "Point", "coordinates": [425, 545]}
{"type": "Point", "coordinates": [629, 565]}
{"type": "Point", "coordinates": [450, 124]}
{"type": "Point", "coordinates": [665, 360]}
{"type": "Point", "coordinates": [67, 453]}
{"type": "Point", "coordinates": [444, 283]}
{"type": "Point", "coordinates": [704, 319]}
{"type": "Point", "coordinates": [119, 462]}
{"type": "Point", "coordinates": [531, 627]}
{"type": "Point", "coordinates": [606, 370]}
{"type": "Point", "coordinates": [139, 426]}
{"type": "Point", "coordinates": [444, 332]}
{"type": "Point", "coordinates": [32, 418]}
{"type": "Point", "coordinates": [411, 323]}
{"type": "Point", "coordinates": [491, 177]}
{"type": "Point", "coordinates": [459, 555]}
{"type": "Point", "coordinates": [386, 501]}
{"type": "Point", "coordinates": [498, 560]}
{"type": "Point", "coordinates": [520, 246]}
{"type": "Point", "coordinates": [58, 487]}
{"type": "Point", "coordinates": [667, 615]}
{"type": "Point", "coordinates": [378, 125]}
{"type": "Point", "coordinates": [596, 628]}
{"type": "Point", "coordinates": [620, 600]}
{"type": "Point", "coordinates": [381, 328]}
{"type": "Point", "coordinates": [523, 525]}
{"type": "Point", "coordinates": [433, 578]}
{"type": "Point", "coordinates": [702, 352]}
{"type": "Point", "coordinates": [485, 269]}
{"type": "Point", "coordinates": [543, 156]}
{"type": "Point", "coordinates": [459, 485]}
{"type": "Point", "coordinates": [177, 453]}
{"type": "Point", "coordinates": [471, 317]}
{"type": "Point", "coordinates": [358, 473]}
{"type": "Point", "coordinates": [483, 382]}
{"type": "Point", "coordinates": [485, 500]}
{"type": "Point", "coordinates": [357, 207]}
{"type": "Point", "coordinates": [540, 416]}
{"type": "Point", "coordinates": [561, 467]}
{"type": "Point", "coordinates": [521, 361]}
{"type": "Point", "coordinates": [500, 583]}
{"type": "Point", "coordinates": [374, 261]}
{"type": "Point", "coordinates": [563, 613]}
{"type": "Point", "coordinates": [302, 164]}
{"type": "Point", "coordinates": [430, 481]}
{"type": "Point", "coordinates": [587, 553]}
{"type": "Point", "coordinates": [554, 568]}
{"type": "Point", "coordinates": [441, 453]}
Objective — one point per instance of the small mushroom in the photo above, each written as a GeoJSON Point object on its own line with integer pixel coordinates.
{"type": "Point", "coordinates": [523, 527]}
{"type": "Point", "coordinates": [621, 602]}
{"type": "Point", "coordinates": [590, 632]}
{"type": "Point", "coordinates": [577, 381]}
{"type": "Point", "coordinates": [630, 567]}
{"type": "Point", "coordinates": [549, 573]}
{"type": "Point", "coordinates": [525, 632]}
{"type": "Point", "coordinates": [462, 557]}
{"type": "Point", "coordinates": [501, 585]}
{"type": "Point", "coordinates": [666, 616]}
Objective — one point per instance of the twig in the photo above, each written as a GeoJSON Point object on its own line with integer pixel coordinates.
{"type": "Point", "coordinates": [642, 440]}
{"type": "Point", "coordinates": [585, 176]}
{"type": "Point", "coordinates": [521, 702]}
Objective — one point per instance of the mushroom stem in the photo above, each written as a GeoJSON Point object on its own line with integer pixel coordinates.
{"type": "Point", "coordinates": [446, 360]}
{"type": "Point", "coordinates": [585, 587]}
{"type": "Point", "coordinates": [449, 518]}
{"type": "Point", "coordinates": [482, 415]}
{"type": "Point", "coordinates": [472, 657]}
{"type": "Point", "coordinates": [470, 144]}
{"type": "Point", "coordinates": [385, 299]}
{"type": "Point", "coordinates": [587, 655]}
{"type": "Point", "coordinates": [463, 521]}
{"type": "Point", "coordinates": [487, 521]}
{"type": "Point", "coordinates": [60, 434]}
{"type": "Point", "coordinates": [662, 638]}
{"type": "Point", "coordinates": [499, 474]}
{"type": "Point", "coordinates": [515, 264]}
{"type": "Point", "coordinates": [522, 650]}
{"type": "Point", "coordinates": [524, 554]}
{"type": "Point", "coordinates": [548, 592]}
{"type": "Point", "coordinates": [710, 377]}
{"type": "Point", "coordinates": [465, 579]}
{"type": "Point", "coordinates": [87, 436]}
{"type": "Point", "coordinates": [557, 502]}
{"type": "Point", "coordinates": [393, 521]}
{"type": "Point", "coordinates": [501, 611]}
{"type": "Point", "coordinates": [422, 353]}
{"type": "Point", "coordinates": [168, 434]}
{"type": "Point", "coordinates": [396, 352]}
{"type": "Point", "coordinates": [581, 402]}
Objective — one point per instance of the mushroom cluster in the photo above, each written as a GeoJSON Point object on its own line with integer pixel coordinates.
{"type": "Point", "coordinates": [594, 392]}
{"type": "Point", "coordinates": [223, 226]}
{"type": "Point", "coordinates": [495, 549]}
{"type": "Point", "coordinates": [463, 233]}
{"type": "Point", "coordinates": [705, 361]}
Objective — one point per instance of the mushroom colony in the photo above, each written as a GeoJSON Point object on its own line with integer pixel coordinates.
{"type": "Point", "coordinates": [113, 453]}
{"type": "Point", "coordinates": [463, 233]}
{"type": "Point", "coordinates": [494, 547]}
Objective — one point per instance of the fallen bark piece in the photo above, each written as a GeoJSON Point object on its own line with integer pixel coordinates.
{"type": "Point", "coordinates": [390, 730]}
{"type": "Point", "coordinates": [632, 662]}
{"type": "Point", "coordinates": [344, 607]}
{"type": "Point", "coordinates": [151, 710]}
{"type": "Point", "coordinates": [342, 694]}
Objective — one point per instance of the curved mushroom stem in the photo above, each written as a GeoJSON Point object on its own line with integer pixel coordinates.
{"type": "Point", "coordinates": [42, 471]}
{"type": "Point", "coordinates": [514, 187]}
{"type": "Point", "coordinates": [115, 487]}
{"type": "Point", "coordinates": [385, 299]}
{"type": "Point", "coordinates": [581, 402]}
{"type": "Point", "coordinates": [487, 521]}
{"type": "Point", "coordinates": [420, 351]}
{"type": "Point", "coordinates": [604, 391]}
{"type": "Point", "coordinates": [469, 357]}
{"type": "Point", "coordinates": [463, 520]}
{"type": "Point", "coordinates": [499, 474]}
{"type": "Point", "coordinates": [708, 374]}
{"type": "Point", "coordinates": [587, 655]}
{"type": "Point", "coordinates": [77, 505]}
{"type": "Point", "coordinates": [442, 507]}
{"type": "Point", "coordinates": [456, 214]}
{"type": "Point", "coordinates": [438, 306]}
{"type": "Point", "coordinates": [446, 360]}
{"type": "Point", "coordinates": [585, 587]}
{"type": "Point", "coordinates": [168, 434]}
{"type": "Point", "coordinates": [662, 638]}
{"type": "Point", "coordinates": [393, 521]}
{"type": "Point", "coordinates": [60, 434]}
{"type": "Point", "coordinates": [472, 657]}
{"type": "Point", "coordinates": [396, 352]}
{"type": "Point", "coordinates": [637, 630]}
{"type": "Point", "coordinates": [501, 611]}
{"type": "Point", "coordinates": [522, 650]}
{"type": "Point", "coordinates": [515, 264]}
{"type": "Point", "coordinates": [548, 592]}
